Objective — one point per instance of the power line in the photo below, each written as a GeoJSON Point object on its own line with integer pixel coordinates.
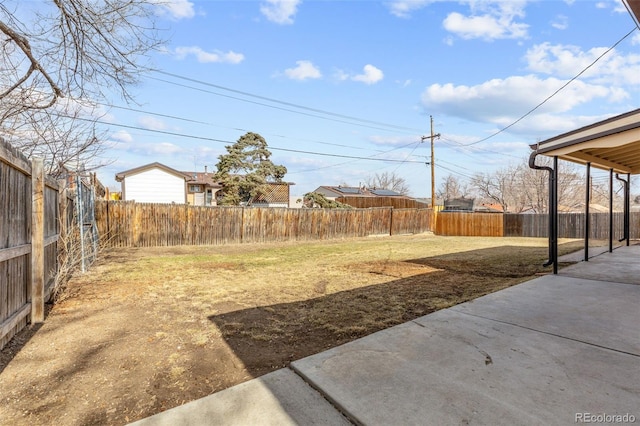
{"type": "Point", "coordinates": [204, 138]}
{"type": "Point", "coordinates": [366, 123]}
{"type": "Point", "coordinates": [174, 117]}
{"type": "Point", "coordinates": [554, 93]}
{"type": "Point", "coordinates": [462, 146]}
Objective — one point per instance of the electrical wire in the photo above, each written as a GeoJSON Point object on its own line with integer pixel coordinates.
{"type": "Point", "coordinates": [174, 117]}
{"type": "Point", "coordinates": [209, 139]}
{"type": "Point", "coordinates": [554, 93]}
{"type": "Point", "coordinates": [290, 104]}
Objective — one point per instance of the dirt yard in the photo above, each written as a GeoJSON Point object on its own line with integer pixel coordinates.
{"type": "Point", "coordinates": [146, 330]}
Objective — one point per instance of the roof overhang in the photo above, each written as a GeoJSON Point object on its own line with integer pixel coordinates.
{"type": "Point", "coordinates": [633, 6]}
{"type": "Point", "coordinates": [613, 143]}
{"type": "Point", "coordinates": [122, 175]}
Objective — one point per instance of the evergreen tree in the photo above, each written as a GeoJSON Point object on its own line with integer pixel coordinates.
{"type": "Point", "coordinates": [246, 170]}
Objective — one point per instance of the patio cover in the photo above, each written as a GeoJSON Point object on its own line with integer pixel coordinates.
{"type": "Point", "coordinates": [610, 144]}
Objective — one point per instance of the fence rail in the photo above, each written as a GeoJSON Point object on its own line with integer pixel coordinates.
{"type": "Point", "coordinates": [469, 224]}
{"type": "Point", "coordinates": [29, 233]}
{"type": "Point", "coordinates": [570, 225]}
{"type": "Point", "coordinates": [395, 202]}
{"type": "Point", "coordinates": [128, 224]}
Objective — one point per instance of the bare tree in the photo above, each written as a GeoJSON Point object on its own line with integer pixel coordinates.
{"type": "Point", "coordinates": [500, 187]}
{"type": "Point", "coordinates": [518, 187]}
{"type": "Point", "coordinates": [452, 188]}
{"type": "Point", "coordinates": [68, 140]}
{"type": "Point", "coordinates": [386, 180]}
{"type": "Point", "coordinates": [79, 50]}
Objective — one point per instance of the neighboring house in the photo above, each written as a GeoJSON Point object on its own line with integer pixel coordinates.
{"type": "Point", "coordinates": [362, 197]}
{"type": "Point", "coordinates": [157, 183]}
{"type": "Point", "coordinates": [153, 183]}
{"type": "Point", "coordinates": [488, 208]}
{"type": "Point", "coordinates": [202, 188]}
{"type": "Point", "coordinates": [334, 192]}
{"type": "Point", "coordinates": [459, 205]}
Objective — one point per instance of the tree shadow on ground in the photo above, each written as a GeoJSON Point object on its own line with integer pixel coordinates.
{"type": "Point", "coordinates": [266, 338]}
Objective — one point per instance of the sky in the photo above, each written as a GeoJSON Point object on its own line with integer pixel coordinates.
{"type": "Point", "coordinates": [345, 90]}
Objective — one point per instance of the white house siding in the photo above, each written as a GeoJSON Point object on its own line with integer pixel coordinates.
{"type": "Point", "coordinates": [155, 186]}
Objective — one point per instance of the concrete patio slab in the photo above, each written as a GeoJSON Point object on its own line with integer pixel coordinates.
{"type": "Point", "coordinates": [454, 368]}
{"type": "Point", "coordinates": [621, 266]}
{"type": "Point", "coordinates": [278, 398]}
{"type": "Point", "coordinates": [600, 313]}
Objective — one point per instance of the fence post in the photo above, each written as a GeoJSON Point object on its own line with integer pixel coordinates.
{"type": "Point", "coordinates": [37, 240]}
{"type": "Point", "coordinates": [80, 213]}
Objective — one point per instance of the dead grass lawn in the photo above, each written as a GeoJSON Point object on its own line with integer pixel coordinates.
{"type": "Point", "coordinates": [149, 329]}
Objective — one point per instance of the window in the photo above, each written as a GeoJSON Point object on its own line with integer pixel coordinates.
{"type": "Point", "coordinates": [195, 188]}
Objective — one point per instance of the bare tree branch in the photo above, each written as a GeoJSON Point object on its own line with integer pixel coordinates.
{"type": "Point", "coordinates": [79, 51]}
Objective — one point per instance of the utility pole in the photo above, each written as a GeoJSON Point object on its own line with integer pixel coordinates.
{"type": "Point", "coordinates": [433, 166]}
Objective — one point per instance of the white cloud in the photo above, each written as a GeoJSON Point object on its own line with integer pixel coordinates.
{"type": "Point", "coordinates": [501, 101]}
{"type": "Point", "coordinates": [151, 123]}
{"type": "Point", "coordinates": [340, 75]}
{"type": "Point", "coordinates": [303, 71]}
{"type": "Point", "coordinates": [371, 75]}
{"type": "Point", "coordinates": [280, 11]}
{"type": "Point", "coordinates": [561, 22]}
{"type": "Point", "coordinates": [489, 20]}
{"type": "Point", "coordinates": [176, 9]}
{"type": "Point", "coordinates": [122, 136]}
{"type": "Point", "coordinates": [567, 61]}
{"type": "Point", "coordinates": [486, 27]}
{"type": "Point", "coordinates": [163, 148]}
{"type": "Point", "coordinates": [202, 56]}
{"type": "Point", "coordinates": [403, 8]}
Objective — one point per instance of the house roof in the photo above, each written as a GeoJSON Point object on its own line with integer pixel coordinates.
{"type": "Point", "coordinates": [203, 178]}
{"type": "Point", "coordinates": [613, 143]}
{"type": "Point", "coordinates": [490, 208]}
{"type": "Point", "coordinates": [122, 175]}
{"type": "Point", "coordinates": [633, 6]}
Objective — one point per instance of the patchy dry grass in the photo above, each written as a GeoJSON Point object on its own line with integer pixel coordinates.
{"type": "Point", "coordinates": [149, 329]}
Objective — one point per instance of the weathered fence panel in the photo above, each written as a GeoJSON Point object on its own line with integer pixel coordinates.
{"type": "Point", "coordinates": [15, 241]}
{"type": "Point", "coordinates": [371, 202]}
{"type": "Point", "coordinates": [469, 224]}
{"type": "Point", "coordinates": [411, 221]}
{"type": "Point", "coordinates": [29, 232]}
{"type": "Point", "coordinates": [129, 224]}
{"type": "Point", "coordinates": [570, 225]}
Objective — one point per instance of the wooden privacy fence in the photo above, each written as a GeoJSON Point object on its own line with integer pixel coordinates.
{"type": "Point", "coordinates": [570, 225]}
{"type": "Point", "coordinates": [395, 202]}
{"type": "Point", "coordinates": [129, 224]}
{"type": "Point", "coordinates": [29, 232]}
{"type": "Point", "coordinates": [469, 224]}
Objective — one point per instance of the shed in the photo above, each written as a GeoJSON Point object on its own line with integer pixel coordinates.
{"type": "Point", "coordinates": [153, 183]}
